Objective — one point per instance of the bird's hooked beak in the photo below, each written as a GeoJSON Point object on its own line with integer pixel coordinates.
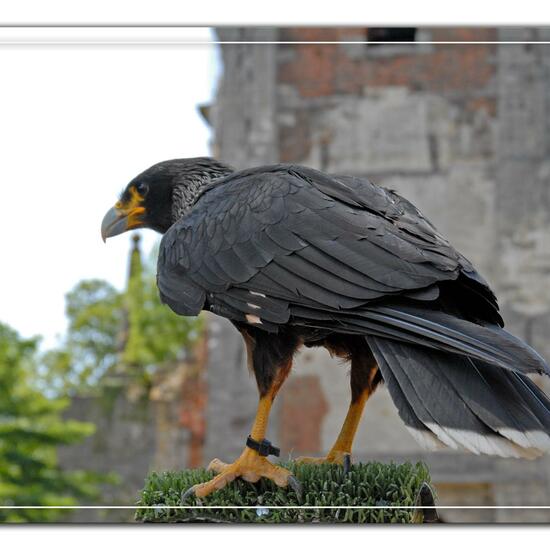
{"type": "Point", "coordinates": [123, 216]}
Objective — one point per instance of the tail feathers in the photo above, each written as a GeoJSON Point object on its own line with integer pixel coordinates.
{"type": "Point", "coordinates": [462, 402]}
{"type": "Point", "coordinates": [540, 400]}
{"type": "Point", "coordinates": [487, 343]}
{"type": "Point", "coordinates": [417, 428]}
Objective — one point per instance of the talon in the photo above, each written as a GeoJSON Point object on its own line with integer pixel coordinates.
{"type": "Point", "coordinates": [347, 464]}
{"type": "Point", "coordinates": [250, 466]}
{"type": "Point", "coordinates": [296, 486]}
{"type": "Point", "coordinates": [190, 491]}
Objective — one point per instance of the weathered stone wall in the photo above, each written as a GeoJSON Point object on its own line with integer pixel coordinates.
{"type": "Point", "coordinates": [523, 190]}
{"type": "Point", "coordinates": [137, 432]}
{"type": "Point", "coordinates": [124, 444]}
{"type": "Point", "coordinates": [463, 132]}
{"type": "Point", "coordinates": [244, 117]}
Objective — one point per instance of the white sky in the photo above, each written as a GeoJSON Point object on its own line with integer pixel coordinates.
{"type": "Point", "coordinates": [76, 124]}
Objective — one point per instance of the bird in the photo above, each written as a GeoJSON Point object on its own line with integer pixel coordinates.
{"type": "Point", "coordinates": [295, 257]}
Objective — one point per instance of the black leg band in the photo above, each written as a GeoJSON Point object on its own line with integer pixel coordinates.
{"type": "Point", "coordinates": [263, 447]}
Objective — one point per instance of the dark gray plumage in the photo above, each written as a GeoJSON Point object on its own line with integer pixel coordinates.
{"type": "Point", "coordinates": [286, 247]}
{"type": "Point", "coordinates": [293, 256]}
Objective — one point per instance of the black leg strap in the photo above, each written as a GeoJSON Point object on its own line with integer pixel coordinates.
{"type": "Point", "coordinates": [263, 447]}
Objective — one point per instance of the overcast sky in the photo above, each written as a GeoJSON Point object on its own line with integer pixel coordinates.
{"type": "Point", "coordinates": [76, 124]}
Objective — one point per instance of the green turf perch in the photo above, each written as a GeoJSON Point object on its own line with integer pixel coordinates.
{"type": "Point", "coordinates": [385, 486]}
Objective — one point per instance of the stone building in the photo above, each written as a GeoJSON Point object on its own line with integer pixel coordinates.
{"type": "Point", "coordinates": [463, 131]}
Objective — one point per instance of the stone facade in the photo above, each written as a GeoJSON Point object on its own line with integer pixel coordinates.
{"type": "Point", "coordinates": [461, 130]}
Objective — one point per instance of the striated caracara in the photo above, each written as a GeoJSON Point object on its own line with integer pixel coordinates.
{"type": "Point", "coordinates": [293, 256]}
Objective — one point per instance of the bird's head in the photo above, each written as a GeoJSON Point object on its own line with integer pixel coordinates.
{"type": "Point", "coordinates": [158, 197]}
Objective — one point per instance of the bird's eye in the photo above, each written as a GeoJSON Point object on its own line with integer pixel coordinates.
{"type": "Point", "coordinates": [142, 188]}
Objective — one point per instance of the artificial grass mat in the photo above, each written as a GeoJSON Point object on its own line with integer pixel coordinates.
{"type": "Point", "coordinates": [368, 484]}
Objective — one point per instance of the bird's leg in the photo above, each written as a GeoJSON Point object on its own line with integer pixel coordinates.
{"type": "Point", "coordinates": [341, 450]}
{"type": "Point", "coordinates": [253, 464]}
{"type": "Point", "coordinates": [340, 453]}
{"type": "Point", "coordinates": [364, 379]}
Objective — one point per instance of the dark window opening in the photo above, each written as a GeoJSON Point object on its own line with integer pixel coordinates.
{"type": "Point", "coordinates": [390, 34]}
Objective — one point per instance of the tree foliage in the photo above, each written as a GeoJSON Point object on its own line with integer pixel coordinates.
{"type": "Point", "coordinates": [31, 429]}
{"type": "Point", "coordinates": [110, 333]}
{"type": "Point", "coordinates": [95, 315]}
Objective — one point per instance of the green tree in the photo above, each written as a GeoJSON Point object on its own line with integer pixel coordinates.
{"type": "Point", "coordinates": [31, 429]}
{"type": "Point", "coordinates": [112, 333]}
{"type": "Point", "coordinates": [90, 349]}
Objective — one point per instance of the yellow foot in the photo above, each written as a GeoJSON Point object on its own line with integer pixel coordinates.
{"type": "Point", "coordinates": [251, 467]}
{"type": "Point", "coordinates": [334, 457]}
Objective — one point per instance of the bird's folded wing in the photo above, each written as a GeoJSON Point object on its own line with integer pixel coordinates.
{"type": "Point", "coordinates": [293, 236]}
